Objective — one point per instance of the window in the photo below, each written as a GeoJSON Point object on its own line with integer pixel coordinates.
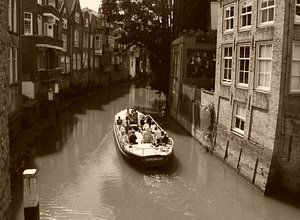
{"type": "Point", "coordinates": [244, 64]}
{"type": "Point", "coordinates": [176, 63]}
{"type": "Point", "coordinates": [297, 12]}
{"type": "Point", "coordinates": [42, 60]}
{"type": "Point", "coordinates": [13, 65]}
{"type": "Point", "coordinates": [10, 19]}
{"type": "Point", "coordinates": [98, 43]}
{"type": "Point", "coordinates": [78, 61]}
{"type": "Point", "coordinates": [227, 63]}
{"type": "Point", "coordinates": [52, 3]}
{"type": "Point", "coordinates": [64, 23]}
{"type": "Point", "coordinates": [239, 118]}
{"type": "Point", "coordinates": [63, 64]}
{"type": "Point", "coordinates": [264, 66]}
{"type": "Point", "coordinates": [40, 25]}
{"type": "Point", "coordinates": [76, 38]}
{"type": "Point", "coordinates": [77, 17]}
{"type": "Point", "coordinates": [85, 40]}
{"type": "Point", "coordinates": [86, 22]}
{"type": "Point", "coordinates": [228, 18]}
{"type": "Point", "coordinates": [65, 42]}
{"type": "Point", "coordinates": [295, 70]}
{"type": "Point", "coordinates": [246, 13]}
{"type": "Point", "coordinates": [74, 61]}
{"type": "Point", "coordinates": [27, 23]}
{"type": "Point", "coordinates": [266, 11]}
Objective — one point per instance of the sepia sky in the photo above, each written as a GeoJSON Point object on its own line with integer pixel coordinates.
{"type": "Point", "coordinates": [92, 4]}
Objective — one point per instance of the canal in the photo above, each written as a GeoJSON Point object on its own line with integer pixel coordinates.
{"type": "Point", "coordinates": [81, 174]}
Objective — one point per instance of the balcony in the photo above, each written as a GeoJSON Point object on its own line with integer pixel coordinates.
{"type": "Point", "coordinates": [49, 10]}
{"type": "Point", "coordinates": [50, 41]}
{"type": "Point", "coordinates": [49, 74]}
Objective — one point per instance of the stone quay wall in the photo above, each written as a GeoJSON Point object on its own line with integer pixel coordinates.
{"type": "Point", "coordinates": [5, 193]}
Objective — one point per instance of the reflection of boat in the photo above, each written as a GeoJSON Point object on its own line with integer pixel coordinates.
{"type": "Point", "coordinates": [151, 152]}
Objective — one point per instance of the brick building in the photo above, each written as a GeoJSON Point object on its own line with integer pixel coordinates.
{"type": "Point", "coordinates": [5, 51]}
{"type": "Point", "coordinates": [14, 68]}
{"type": "Point", "coordinates": [257, 91]}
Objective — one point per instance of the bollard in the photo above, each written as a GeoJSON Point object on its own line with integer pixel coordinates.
{"type": "Point", "coordinates": [30, 195]}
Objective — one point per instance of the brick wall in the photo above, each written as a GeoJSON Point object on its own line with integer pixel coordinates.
{"type": "Point", "coordinates": [4, 138]}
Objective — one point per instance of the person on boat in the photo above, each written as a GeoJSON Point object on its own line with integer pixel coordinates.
{"type": "Point", "coordinates": [149, 121]}
{"type": "Point", "coordinates": [132, 138]}
{"type": "Point", "coordinates": [165, 138]}
{"type": "Point", "coordinates": [147, 136]}
{"type": "Point", "coordinates": [153, 125]}
{"type": "Point", "coordinates": [145, 126]}
{"type": "Point", "coordinates": [124, 137]}
{"type": "Point", "coordinates": [128, 114]}
{"type": "Point", "coordinates": [127, 127]}
{"type": "Point", "coordinates": [157, 133]}
{"type": "Point", "coordinates": [122, 129]}
{"type": "Point", "coordinates": [119, 121]}
{"type": "Point", "coordinates": [135, 116]}
{"type": "Point", "coordinates": [142, 121]}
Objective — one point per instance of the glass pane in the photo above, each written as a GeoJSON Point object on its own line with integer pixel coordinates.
{"type": "Point", "coordinates": [242, 65]}
{"type": "Point", "coordinates": [264, 3]}
{"type": "Point", "coordinates": [230, 51]}
{"type": "Point", "coordinates": [244, 10]}
{"type": "Point", "coordinates": [271, 14]}
{"type": "Point", "coordinates": [268, 66]}
{"type": "Point", "coordinates": [247, 52]}
{"type": "Point", "coordinates": [268, 51]}
{"type": "Point", "coordinates": [261, 80]}
{"type": "Point", "coordinates": [242, 125]}
{"type": "Point", "coordinates": [229, 64]}
{"type": "Point", "coordinates": [242, 52]}
{"type": "Point", "coordinates": [268, 80]}
{"type": "Point", "coordinates": [261, 66]}
{"type": "Point", "coordinates": [295, 69]}
{"type": "Point", "coordinates": [262, 51]}
{"type": "Point", "coordinates": [246, 78]}
{"type": "Point", "coordinates": [226, 13]}
{"type": "Point", "coordinates": [271, 2]}
{"type": "Point", "coordinates": [249, 8]}
{"type": "Point", "coordinates": [296, 52]}
{"type": "Point", "coordinates": [249, 19]}
{"type": "Point", "coordinates": [264, 16]}
{"type": "Point", "coordinates": [232, 11]}
{"type": "Point", "coordinates": [241, 79]}
{"type": "Point", "coordinates": [247, 65]}
{"type": "Point", "coordinates": [244, 23]}
{"type": "Point", "coordinates": [237, 123]}
{"type": "Point", "coordinates": [225, 51]}
{"type": "Point", "coordinates": [295, 81]}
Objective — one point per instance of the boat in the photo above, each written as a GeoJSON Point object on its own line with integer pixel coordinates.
{"type": "Point", "coordinates": [148, 151]}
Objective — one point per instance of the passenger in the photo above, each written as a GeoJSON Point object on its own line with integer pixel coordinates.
{"type": "Point", "coordinates": [135, 116]}
{"type": "Point", "coordinates": [128, 114]}
{"type": "Point", "coordinates": [146, 126]}
{"type": "Point", "coordinates": [153, 125]}
{"type": "Point", "coordinates": [165, 139]}
{"type": "Point", "coordinates": [149, 121]}
{"type": "Point", "coordinates": [122, 129]}
{"type": "Point", "coordinates": [142, 122]}
{"type": "Point", "coordinates": [132, 138]}
{"type": "Point", "coordinates": [147, 136]}
{"type": "Point", "coordinates": [127, 127]}
{"type": "Point", "coordinates": [124, 137]}
{"type": "Point", "coordinates": [157, 133]}
{"type": "Point", "coordinates": [119, 122]}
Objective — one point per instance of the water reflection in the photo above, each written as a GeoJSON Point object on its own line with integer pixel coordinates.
{"type": "Point", "coordinates": [83, 176]}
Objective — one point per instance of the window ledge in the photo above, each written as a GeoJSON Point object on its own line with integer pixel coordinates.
{"type": "Point", "coordinates": [225, 83]}
{"type": "Point", "coordinates": [261, 90]}
{"type": "Point", "coordinates": [230, 31]}
{"type": "Point", "coordinates": [237, 132]}
{"type": "Point", "coordinates": [266, 24]}
{"type": "Point", "coordinates": [242, 86]}
{"type": "Point", "coordinates": [295, 93]}
{"type": "Point", "coordinates": [246, 28]}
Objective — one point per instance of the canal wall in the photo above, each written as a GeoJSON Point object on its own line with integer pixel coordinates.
{"type": "Point", "coordinates": [5, 192]}
{"type": "Point", "coordinates": [195, 111]}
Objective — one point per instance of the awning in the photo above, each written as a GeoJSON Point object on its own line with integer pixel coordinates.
{"type": "Point", "coordinates": [49, 46]}
{"type": "Point", "coordinates": [51, 15]}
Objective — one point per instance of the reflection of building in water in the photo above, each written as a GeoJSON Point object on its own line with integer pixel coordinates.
{"type": "Point", "coordinates": [132, 96]}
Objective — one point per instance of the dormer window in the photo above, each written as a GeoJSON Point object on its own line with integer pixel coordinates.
{"type": "Point", "coordinates": [77, 17]}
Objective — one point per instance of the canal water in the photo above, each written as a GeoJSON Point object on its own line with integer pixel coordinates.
{"type": "Point", "coordinates": [82, 176]}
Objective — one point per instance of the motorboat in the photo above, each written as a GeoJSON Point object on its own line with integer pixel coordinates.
{"type": "Point", "coordinates": [141, 140]}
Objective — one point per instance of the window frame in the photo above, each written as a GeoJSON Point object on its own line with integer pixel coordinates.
{"type": "Point", "coordinates": [267, 23]}
{"type": "Point", "coordinates": [40, 22]}
{"type": "Point", "coordinates": [223, 79]}
{"type": "Point", "coordinates": [297, 17]}
{"type": "Point", "coordinates": [65, 23]}
{"type": "Point", "coordinates": [292, 61]}
{"type": "Point", "coordinates": [65, 41]}
{"type": "Point", "coordinates": [246, 3]}
{"type": "Point", "coordinates": [238, 70]}
{"type": "Point", "coordinates": [77, 17]}
{"type": "Point", "coordinates": [31, 23]}
{"type": "Point", "coordinates": [225, 19]}
{"type": "Point", "coordinates": [76, 38]}
{"type": "Point", "coordinates": [257, 59]}
{"type": "Point", "coordinates": [239, 117]}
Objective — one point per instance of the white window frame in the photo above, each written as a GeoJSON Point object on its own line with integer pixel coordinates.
{"type": "Point", "coordinates": [245, 71]}
{"type": "Point", "coordinates": [40, 24]}
{"type": "Point", "coordinates": [28, 20]}
{"type": "Point", "coordinates": [228, 19]}
{"type": "Point", "coordinates": [40, 2]}
{"type": "Point", "coordinates": [63, 64]}
{"type": "Point", "coordinates": [74, 61]}
{"type": "Point", "coordinates": [297, 6]}
{"type": "Point", "coordinates": [13, 64]}
{"type": "Point", "coordinates": [263, 59]}
{"type": "Point", "coordinates": [268, 8]}
{"type": "Point", "coordinates": [245, 15]}
{"type": "Point", "coordinates": [91, 40]}
{"type": "Point", "coordinates": [294, 60]}
{"type": "Point", "coordinates": [68, 64]}
{"type": "Point", "coordinates": [226, 80]}
{"type": "Point", "coordinates": [78, 61]}
{"type": "Point", "coordinates": [240, 129]}
{"type": "Point", "coordinates": [64, 23]}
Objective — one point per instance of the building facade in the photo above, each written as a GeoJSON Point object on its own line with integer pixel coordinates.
{"type": "Point", "coordinates": [41, 46]}
{"type": "Point", "coordinates": [5, 51]}
{"type": "Point", "coordinates": [257, 91]}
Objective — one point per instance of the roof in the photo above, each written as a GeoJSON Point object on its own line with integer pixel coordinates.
{"type": "Point", "coordinates": [60, 4]}
{"type": "Point", "coordinates": [70, 4]}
